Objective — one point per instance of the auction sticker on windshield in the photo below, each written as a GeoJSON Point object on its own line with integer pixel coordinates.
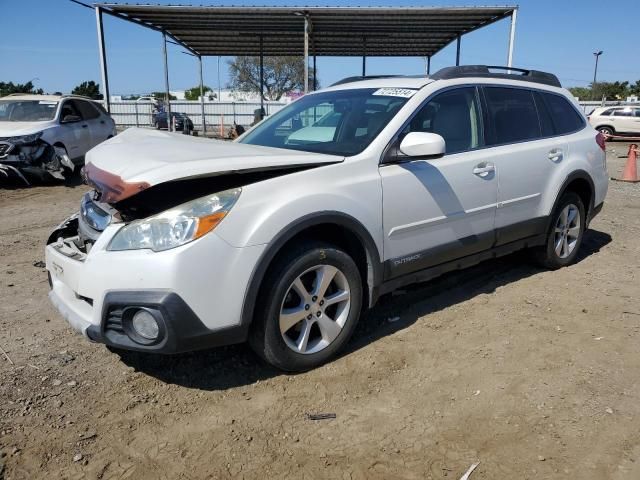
{"type": "Point", "coordinates": [395, 92]}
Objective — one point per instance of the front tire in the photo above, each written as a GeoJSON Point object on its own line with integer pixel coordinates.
{"type": "Point", "coordinates": [308, 307]}
{"type": "Point", "coordinates": [564, 238]}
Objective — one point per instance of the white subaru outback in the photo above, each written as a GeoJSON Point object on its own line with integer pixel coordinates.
{"type": "Point", "coordinates": [283, 238]}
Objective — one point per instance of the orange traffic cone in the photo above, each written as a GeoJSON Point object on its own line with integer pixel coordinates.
{"type": "Point", "coordinates": [630, 173]}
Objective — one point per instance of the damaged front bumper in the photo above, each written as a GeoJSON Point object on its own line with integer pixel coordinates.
{"type": "Point", "coordinates": [36, 159]}
{"type": "Point", "coordinates": [98, 291]}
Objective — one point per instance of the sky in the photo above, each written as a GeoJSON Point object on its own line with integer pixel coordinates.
{"type": "Point", "coordinates": [54, 43]}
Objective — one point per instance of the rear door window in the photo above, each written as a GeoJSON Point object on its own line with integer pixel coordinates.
{"type": "Point", "coordinates": [565, 118]}
{"type": "Point", "coordinates": [624, 112]}
{"type": "Point", "coordinates": [512, 115]}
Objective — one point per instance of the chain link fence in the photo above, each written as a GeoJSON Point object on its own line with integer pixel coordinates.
{"type": "Point", "coordinates": [141, 114]}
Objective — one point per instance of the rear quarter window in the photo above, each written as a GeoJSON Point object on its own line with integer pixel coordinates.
{"type": "Point", "coordinates": [565, 118]}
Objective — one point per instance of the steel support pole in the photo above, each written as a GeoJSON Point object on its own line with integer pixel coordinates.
{"type": "Point", "coordinates": [103, 60]}
{"type": "Point", "coordinates": [219, 87]}
{"type": "Point", "coordinates": [261, 78]}
{"type": "Point", "coordinates": [512, 37]}
{"type": "Point", "coordinates": [315, 77]}
{"type": "Point", "coordinates": [458, 51]}
{"type": "Point", "coordinates": [306, 54]}
{"type": "Point", "coordinates": [204, 123]}
{"type": "Point", "coordinates": [364, 57]}
{"type": "Point", "coordinates": [167, 95]}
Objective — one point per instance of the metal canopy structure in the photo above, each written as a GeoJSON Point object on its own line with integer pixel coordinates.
{"type": "Point", "coordinates": [304, 31]}
{"type": "Point", "coordinates": [334, 31]}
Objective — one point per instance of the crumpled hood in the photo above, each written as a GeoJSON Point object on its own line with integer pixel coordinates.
{"type": "Point", "coordinates": [152, 157]}
{"type": "Point", "coordinates": [14, 129]}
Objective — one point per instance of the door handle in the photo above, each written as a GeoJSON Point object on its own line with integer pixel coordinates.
{"type": "Point", "coordinates": [484, 169]}
{"type": "Point", "coordinates": [85, 126]}
{"type": "Point", "coordinates": [556, 155]}
{"type": "Point", "coordinates": [102, 122]}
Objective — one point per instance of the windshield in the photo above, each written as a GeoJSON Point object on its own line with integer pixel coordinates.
{"type": "Point", "coordinates": [27, 110]}
{"type": "Point", "coordinates": [341, 122]}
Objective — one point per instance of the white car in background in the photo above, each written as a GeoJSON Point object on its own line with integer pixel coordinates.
{"type": "Point", "coordinates": [188, 243]}
{"type": "Point", "coordinates": [622, 120]}
{"type": "Point", "coordinates": [47, 136]}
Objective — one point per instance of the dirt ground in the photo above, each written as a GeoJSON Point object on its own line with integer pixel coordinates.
{"type": "Point", "coordinates": [532, 373]}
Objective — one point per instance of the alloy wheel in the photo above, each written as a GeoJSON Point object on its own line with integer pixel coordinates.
{"type": "Point", "coordinates": [567, 231]}
{"type": "Point", "coordinates": [315, 309]}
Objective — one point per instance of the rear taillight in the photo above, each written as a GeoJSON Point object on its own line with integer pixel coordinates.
{"type": "Point", "coordinates": [601, 141]}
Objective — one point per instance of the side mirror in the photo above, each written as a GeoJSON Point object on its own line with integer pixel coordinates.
{"type": "Point", "coordinates": [423, 145]}
{"type": "Point", "coordinates": [71, 118]}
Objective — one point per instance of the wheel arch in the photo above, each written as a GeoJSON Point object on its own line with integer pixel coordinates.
{"type": "Point", "coordinates": [580, 182]}
{"type": "Point", "coordinates": [336, 227]}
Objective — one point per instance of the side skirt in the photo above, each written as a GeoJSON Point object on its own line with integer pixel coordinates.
{"type": "Point", "coordinates": [461, 263]}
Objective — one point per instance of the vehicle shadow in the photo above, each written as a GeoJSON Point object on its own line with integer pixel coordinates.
{"type": "Point", "coordinates": [237, 365]}
{"type": "Point", "coordinates": [452, 288]}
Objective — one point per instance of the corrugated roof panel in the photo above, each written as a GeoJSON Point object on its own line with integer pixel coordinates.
{"type": "Point", "coordinates": [335, 31]}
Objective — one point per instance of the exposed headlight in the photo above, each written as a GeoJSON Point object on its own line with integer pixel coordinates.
{"type": "Point", "coordinates": [177, 226]}
{"type": "Point", "coordinates": [25, 139]}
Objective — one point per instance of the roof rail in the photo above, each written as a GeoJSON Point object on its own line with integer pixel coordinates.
{"type": "Point", "coordinates": [362, 77]}
{"type": "Point", "coordinates": [73, 95]}
{"type": "Point", "coordinates": [511, 73]}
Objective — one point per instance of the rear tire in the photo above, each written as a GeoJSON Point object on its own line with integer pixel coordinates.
{"type": "Point", "coordinates": [308, 307]}
{"type": "Point", "coordinates": [606, 131]}
{"type": "Point", "coordinates": [564, 237]}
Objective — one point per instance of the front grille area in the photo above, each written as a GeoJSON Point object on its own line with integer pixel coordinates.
{"type": "Point", "coordinates": [114, 321]}
{"type": "Point", "coordinates": [5, 148]}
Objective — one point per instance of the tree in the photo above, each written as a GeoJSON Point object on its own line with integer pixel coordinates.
{"type": "Point", "coordinates": [194, 93]}
{"type": "Point", "coordinates": [88, 89]}
{"type": "Point", "coordinates": [7, 88]}
{"type": "Point", "coordinates": [610, 90]}
{"type": "Point", "coordinates": [281, 75]}
{"type": "Point", "coordinates": [583, 93]}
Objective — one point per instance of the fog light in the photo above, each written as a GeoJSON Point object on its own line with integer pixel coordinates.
{"type": "Point", "coordinates": [145, 325]}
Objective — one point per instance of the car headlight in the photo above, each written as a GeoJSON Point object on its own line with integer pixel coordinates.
{"type": "Point", "coordinates": [25, 139]}
{"type": "Point", "coordinates": [177, 226]}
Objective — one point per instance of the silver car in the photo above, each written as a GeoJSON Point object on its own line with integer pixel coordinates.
{"type": "Point", "coordinates": [45, 137]}
{"type": "Point", "coordinates": [623, 120]}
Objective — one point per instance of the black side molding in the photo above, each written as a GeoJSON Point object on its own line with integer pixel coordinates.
{"type": "Point", "coordinates": [460, 263]}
